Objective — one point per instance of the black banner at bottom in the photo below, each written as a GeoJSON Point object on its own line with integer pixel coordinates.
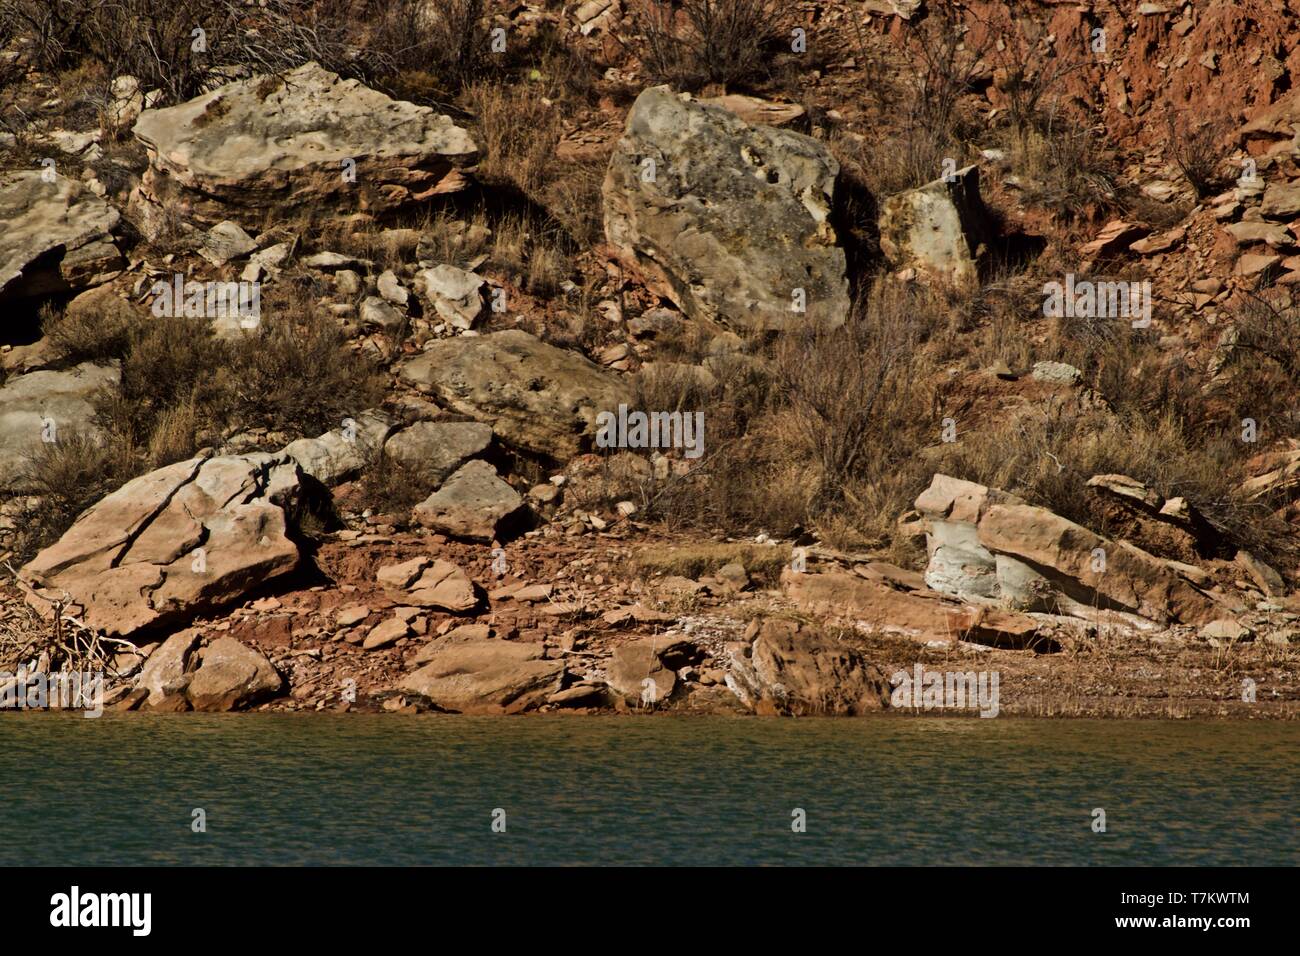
{"type": "Point", "coordinates": [338, 906]}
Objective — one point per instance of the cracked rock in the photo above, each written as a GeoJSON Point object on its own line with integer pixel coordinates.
{"type": "Point", "coordinates": [193, 536]}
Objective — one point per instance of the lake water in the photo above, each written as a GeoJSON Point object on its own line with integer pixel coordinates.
{"type": "Point", "coordinates": [384, 789]}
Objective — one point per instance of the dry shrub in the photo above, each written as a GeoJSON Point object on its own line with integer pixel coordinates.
{"type": "Point", "coordinates": [52, 27]}
{"type": "Point", "coordinates": [573, 199]}
{"type": "Point", "coordinates": [449, 238]}
{"type": "Point", "coordinates": [935, 125]}
{"type": "Point", "coordinates": [67, 477]}
{"type": "Point", "coordinates": [11, 70]}
{"type": "Point", "coordinates": [1258, 367]}
{"type": "Point", "coordinates": [169, 361]}
{"type": "Point", "coordinates": [390, 487]}
{"type": "Point", "coordinates": [860, 396]}
{"type": "Point", "coordinates": [519, 133]}
{"type": "Point", "coordinates": [1000, 330]}
{"type": "Point", "coordinates": [1046, 455]}
{"type": "Point", "coordinates": [948, 63]}
{"type": "Point", "coordinates": [895, 164]}
{"type": "Point", "coordinates": [296, 375]}
{"type": "Point", "coordinates": [1127, 368]}
{"type": "Point", "coordinates": [432, 50]}
{"type": "Point", "coordinates": [98, 330]}
{"type": "Point", "coordinates": [1064, 166]}
{"type": "Point", "coordinates": [520, 123]}
{"type": "Point", "coordinates": [838, 428]}
{"type": "Point", "coordinates": [1196, 147]}
{"type": "Point", "coordinates": [737, 458]}
{"type": "Point", "coordinates": [548, 267]}
{"type": "Point", "coordinates": [1029, 66]}
{"type": "Point", "coordinates": [926, 100]}
{"type": "Point", "coordinates": [823, 428]}
{"type": "Point", "coordinates": [154, 40]}
{"type": "Point", "coordinates": [182, 388]}
{"type": "Point", "coordinates": [174, 436]}
{"type": "Point", "coordinates": [706, 41]}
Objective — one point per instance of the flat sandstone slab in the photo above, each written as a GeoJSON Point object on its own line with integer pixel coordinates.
{"type": "Point", "coordinates": [295, 141]}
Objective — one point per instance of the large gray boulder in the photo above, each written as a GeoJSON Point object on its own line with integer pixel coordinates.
{"type": "Point", "coordinates": [535, 396]}
{"type": "Point", "coordinates": [190, 537]}
{"type": "Point", "coordinates": [44, 406]}
{"type": "Point", "coordinates": [729, 221]}
{"type": "Point", "coordinates": [57, 237]}
{"type": "Point", "coordinates": [298, 142]}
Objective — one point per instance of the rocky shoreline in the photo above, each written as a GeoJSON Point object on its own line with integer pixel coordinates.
{"type": "Point", "coordinates": [583, 626]}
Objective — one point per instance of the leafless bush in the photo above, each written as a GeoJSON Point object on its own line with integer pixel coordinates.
{"type": "Point", "coordinates": [393, 488]}
{"type": "Point", "coordinates": [431, 50]}
{"type": "Point", "coordinates": [520, 135]}
{"type": "Point", "coordinates": [56, 641]}
{"type": "Point", "coordinates": [1068, 168]}
{"type": "Point", "coordinates": [927, 99]}
{"type": "Point", "coordinates": [948, 66]}
{"type": "Point", "coordinates": [182, 387]}
{"type": "Point", "coordinates": [156, 40]}
{"type": "Point", "coordinates": [297, 376]}
{"type": "Point", "coordinates": [822, 428]}
{"type": "Point", "coordinates": [10, 68]}
{"type": "Point", "coordinates": [83, 334]}
{"type": "Point", "coordinates": [53, 28]}
{"type": "Point", "coordinates": [857, 390]}
{"type": "Point", "coordinates": [66, 477]}
{"type": "Point", "coordinates": [1029, 68]}
{"type": "Point", "coordinates": [892, 165]}
{"type": "Point", "coordinates": [181, 46]}
{"type": "Point", "coordinates": [1257, 366]}
{"type": "Point", "coordinates": [705, 41]}
{"type": "Point", "coordinates": [1196, 147]}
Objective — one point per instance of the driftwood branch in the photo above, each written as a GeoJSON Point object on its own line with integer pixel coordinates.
{"type": "Point", "coordinates": [58, 641]}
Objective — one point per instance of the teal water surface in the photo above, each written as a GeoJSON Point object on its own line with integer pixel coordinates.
{"type": "Point", "coordinates": [355, 789]}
